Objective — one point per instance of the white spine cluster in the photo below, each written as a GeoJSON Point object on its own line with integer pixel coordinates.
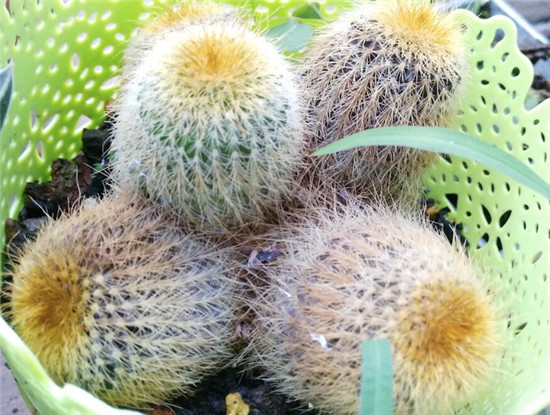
{"type": "Point", "coordinates": [210, 124]}
{"type": "Point", "coordinates": [354, 275]}
{"type": "Point", "coordinates": [119, 300]}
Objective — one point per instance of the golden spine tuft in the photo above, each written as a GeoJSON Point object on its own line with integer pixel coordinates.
{"type": "Point", "coordinates": [388, 63]}
{"type": "Point", "coordinates": [351, 274]}
{"type": "Point", "coordinates": [168, 19]}
{"type": "Point", "coordinates": [117, 299]}
{"type": "Point", "coordinates": [187, 11]}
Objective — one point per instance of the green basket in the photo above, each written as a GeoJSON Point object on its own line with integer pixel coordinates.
{"type": "Point", "coordinates": [66, 55]}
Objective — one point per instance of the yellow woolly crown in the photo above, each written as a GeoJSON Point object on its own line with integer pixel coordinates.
{"type": "Point", "coordinates": [417, 22]}
{"type": "Point", "coordinates": [185, 11]}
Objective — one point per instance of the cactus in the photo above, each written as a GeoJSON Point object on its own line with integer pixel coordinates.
{"type": "Point", "coordinates": [385, 64]}
{"type": "Point", "coordinates": [210, 125]}
{"type": "Point", "coordinates": [345, 277]}
{"type": "Point", "coordinates": [166, 19]}
{"type": "Point", "coordinates": [118, 300]}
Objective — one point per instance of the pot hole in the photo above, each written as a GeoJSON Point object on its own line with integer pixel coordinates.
{"type": "Point", "coordinates": [498, 37]}
{"type": "Point", "coordinates": [144, 16]}
{"type": "Point", "coordinates": [83, 121]}
{"type": "Point", "coordinates": [12, 202]}
{"type": "Point", "coordinates": [452, 198]}
{"type": "Point", "coordinates": [504, 218]}
{"type": "Point", "coordinates": [262, 9]}
{"type": "Point", "coordinates": [111, 82]}
{"type": "Point", "coordinates": [25, 151]}
{"type": "Point", "coordinates": [93, 17]}
{"type": "Point", "coordinates": [537, 256]}
{"type": "Point", "coordinates": [50, 122]}
{"type": "Point", "coordinates": [484, 240]}
{"type": "Point", "coordinates": [486, 214]}
{"type": "Point", "coordinates": [33, 119]}
{"type": "Point", "coordinates": [96, 42]}
{"type": "Point", "coordinates": [75, 61]}
{"type": "Point", "coordinates": [500, 249]}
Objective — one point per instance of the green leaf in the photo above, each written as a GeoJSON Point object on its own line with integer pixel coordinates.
{"type": "Point", "coordinates": [291, 35]}
{"type": "Point", "coordinates": [308, 11]}
{"type": "Point", "coordinates": [6, 86]}
{"type": "Point", "coordinates": [442, 140]}
{"type": "Point", "coordinates": [376, 378]}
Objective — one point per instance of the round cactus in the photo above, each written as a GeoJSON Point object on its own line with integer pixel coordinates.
{"type": "Point", "coordinates": [166, 19]}
{"type": "Point", "coordinates": [210, 124]}
{"type": "Point", "coordinates": [356, 275]}
{"type": "Point", "coordinates": [385, 64]}
{"type": "Point", "coordinates": [118, 300]}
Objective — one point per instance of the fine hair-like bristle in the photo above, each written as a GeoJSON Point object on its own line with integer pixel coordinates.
{"type": "Point", "coordinates": [118, 300]}
{"type": "Point", "coordinates": [387, 63]}
{"type": "Point", "coordinates": [349, 274]}
{"type": "Point", "coordinates": [210, 124]}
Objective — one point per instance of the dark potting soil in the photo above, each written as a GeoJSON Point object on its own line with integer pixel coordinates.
{"type": "Point", "coordinates": [210, 396]}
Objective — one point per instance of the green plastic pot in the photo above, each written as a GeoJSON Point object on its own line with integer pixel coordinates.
{"type": "Point", "coordinates": [66, 54]}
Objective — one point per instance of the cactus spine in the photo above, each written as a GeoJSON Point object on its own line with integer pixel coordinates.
{"type": "Point", "coordinates": [357, 275]}
{"type": "Point", "coordinates": [387, 63]}
{"type": "Point", "coordinates": [210, 124]}
{"type": "Point", "coordinates": [118, 300]}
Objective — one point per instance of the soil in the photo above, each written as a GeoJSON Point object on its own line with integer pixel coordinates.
{"type": "Point", "coordinates": [210, 396]}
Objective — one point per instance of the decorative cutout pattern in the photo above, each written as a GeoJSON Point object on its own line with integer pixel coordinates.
{"type": "Point", "coordinates": [508, 226]}
{"type": "Point", "coordinates": [66, 54]}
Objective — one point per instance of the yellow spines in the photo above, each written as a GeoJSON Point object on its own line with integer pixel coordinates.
{"type": "Point", "coordinates": [420, 26]}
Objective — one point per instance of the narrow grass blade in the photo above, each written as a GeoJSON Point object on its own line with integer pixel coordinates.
{"type": "Point", "coordinates": [442, 140]}
{"type": "Point", "coordinates": [6, 85]}
{"type": "Point", "coordinates": [376, 378]}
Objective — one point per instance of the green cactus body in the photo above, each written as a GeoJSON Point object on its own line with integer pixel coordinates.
{"type": "Point", "coordinates": [342, 278]}
{"type": "Point", "coordinates": [210, 125]}
{"type": "Point", "coordinates": [387, 63]}
{"type": "Point", "coordinates": [118, 300]}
